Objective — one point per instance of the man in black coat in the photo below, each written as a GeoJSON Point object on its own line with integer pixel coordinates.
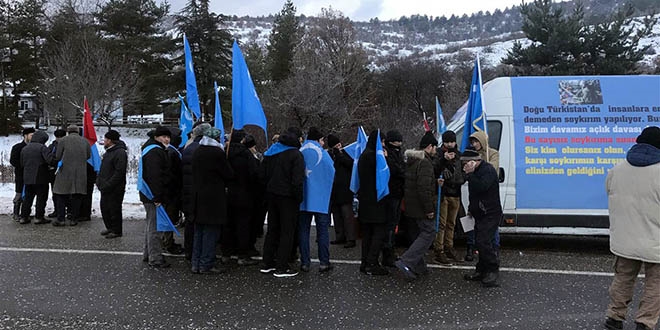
{"type": "Point", "coordinates": [15, 161]}
{"type": "Point", "coordinates": [155, 173]}
{"type": "Point", "coordinates": [52, 168]}
{"type": "Point", "coordinates": [111, 182]}
{"type": "Point", "coordinates": [187, 186]}
{"type": "Point", "coordinates": [485, 207]}
{"type": "Point", "coordinates": [342, 196]}
{"type": "Point", "coordinates": [34, 160]}
{"type": "Point", "coordinates": [283, 171]}
{"type": "Point", "coordinates": [174, 187]}
{"type": "Point", "coordinates": [395, 162]}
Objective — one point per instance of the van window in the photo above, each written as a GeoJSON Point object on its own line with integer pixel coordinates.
{"type": "Point", "coordinates": [494, 134]}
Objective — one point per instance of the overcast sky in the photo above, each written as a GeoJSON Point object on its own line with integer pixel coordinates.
{"type": "Point", "coordinates": [361, 10]}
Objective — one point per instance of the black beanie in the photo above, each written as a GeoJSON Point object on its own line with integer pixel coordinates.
{"type": "Point", "coordinates": [449, 136]}
{"type": "Point", "coordinates": [332, 140]}
{"type": "Point", "coordinates": [427, 139]}
{"type": "Point", "coordinates": [28, 130]}
{"type": "Point", "coordinates": [470, 154]}
{"type": "Point", "coordinates": [237, 136]}
{"type": "Point", "coordinates": [112, 135]}
{"type": "Point", "coordinates": [59, 133]}
{"type": "Point", "coordinates": [249, 141]}
{"type": "Point", "coordinates": [650, 135]}
{"type": "Point", "coordinates": [162, 130]}
{"type": "Point", "coordinates": [314, 134]}
{"type": "Point", "coordinates": [295, 131]}
{"type": "Point", "coordinates": [393, 136]}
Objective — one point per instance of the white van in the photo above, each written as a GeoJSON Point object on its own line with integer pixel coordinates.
{"type": "Point", "coordinates": [557, 138]}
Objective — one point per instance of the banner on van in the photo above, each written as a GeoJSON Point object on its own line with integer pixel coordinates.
{"type": "Point", "coordinates": [570, 131]}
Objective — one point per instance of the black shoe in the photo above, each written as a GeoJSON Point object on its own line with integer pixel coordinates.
{"type": "Point", "coordinates": [145, 259]}
{"type": "Point", "coordinates": [112, 235]}
{"type": "Point", "coordinates": [266, 269]}
{"type": "Point", "coordinates": [52, 215]}
{"type": "Point", "coordinates": [175, 249]}
{"type": "Point", "coordinates": [338, 242]}
{"type": "Point", "coordinates": [247, 262]}
{"type": "Point", "coordinates": [41, 221]}
{"type": "Point", "coordinates": [473, 276]}
{"type": "Point", "coordinates": [350, 245]}
{"type": "Point", "coordinates": [376, 270]}
{"type": "Point", "coordinates": [304, 268]}
{"type": "Point", "coordinates": [58, 223]}
{"type": "Point", "coordinates": [105, 232]}
{"type": "Point", "coordinates": [73, 223]}
{"type": "Point", "coordinates": [490, 280]}
{"type": "Point", "coordinates": [407, 272]}
{"type": "Point", "coordinates": [213, 271]}
{"type": "Point", "coordinates": [641, 326]}
{"type": "Point", "coordinates": [469, 255]}
{"type": "Point", "coordinates": [326, 268]}
{"type": "Point", "coordinates": [162, 264]}
{"type": "Point", "coordinates": [285, 273]}
{"type": "Point", "coordinates": [24, 221]}
{"type": "Point", "coordinates": [363, 268]}
{"type": "Point", "coordinates": [451, 254]}
{"type": "Point", "coordinates": [253, 253]}
{"type": "Point", "coordinates": [613, 324]}
{"type": "Point", "coordinates": [83, 219]}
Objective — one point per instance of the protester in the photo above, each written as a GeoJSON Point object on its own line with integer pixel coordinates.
{"type": "Point", "coordinates": [633, 189]}
{"type": "Point", "coordinates": [258, 212]}
{"type": "Point", "coordinates": [452, 174]}
{"type": "Point", "coordinates": [111, 182]}
{"type": "Point", "coordinates": [155, 174]}
{"type": "Point", "coordinates": [317, 188]}
{"type": "Point", "coordinates": [486, 209]}
{"type": "Point", "coordinates": [187, 186]}
{"type": "Point", "coordinates": [342, 196]}
{"type": "Point", "coordinates": [86, 203]}
{"type": "Point", "coordinates": [211, 171]}
{"type": "Point", "coordinates": [71, 178]}
{"type": "Point", "coordinates": [420, 196]}
{"type": "Point", "coordinates": [372, 215]}
{"type": "Point", "coordinates": [397, 166]}
{"type": "Point", "coordinates": [283, 173]}
{"type": "Point", "coordinates": [52, 167]}
{"type": "Point", "coordinates": [236, 236]}
{"type": "Point", "coordinates": [15, 161]}
{"type": "Point", "coordinates": [174, 187]}
{"type": "Point", "coordinates": [35, 158]}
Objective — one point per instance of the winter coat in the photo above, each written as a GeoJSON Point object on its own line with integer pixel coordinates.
{"type": "Point", "coordinates": [487, 153]}
{"type": "Point", "coordinates": [187, 175]}
{"type": "Point", "coordinates": [370, 209]}
{"type": "Point", "coordinates": [341, 187]}
{"type": "Point", "coordinates": [421, 185]}
{"type": "Point", "coordinates": [241, 189]}
{"type": "Point", "coordinates": [397, 172]}
{"type": "Point", "coordinates": [211, 171]}
{"type": "Point", "coordinates": [633, 190]}
{"type": "Point", "coordinates": [452, 173]}
{"type": "Point", "coordinates": [484, 191]}
{"type": "Point", "coordinates": [74, 151]}
{"type": "Point", "coordinates": [15, 161]}
{"type": "Point", "coordinates": [175, 177]}
{"type": "Point", "coordinates": [284, 172]}
{"type": "Point", "coordinates": [155, 172]}
{"type": "Point", "coordinates": [35, 158]}
{"type": "Point", "coordinates": [112, 175]}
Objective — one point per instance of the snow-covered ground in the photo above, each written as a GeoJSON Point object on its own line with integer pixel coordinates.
{"type": "Point", "coordinates": [133, 138]}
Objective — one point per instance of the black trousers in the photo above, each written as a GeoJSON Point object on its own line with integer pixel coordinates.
{"type": "Point", "coordinates": [86, 203]}
{"type": "Point", "coordinates": [111, 210]}
{"type": "Point", "coordinates": [257, 223]}
{"type": "Point", "coordinates": [237, 233]}
{"type": "Point", "coordinates": [188, 234]}
{"type": "Point", "coordinates": [73, 202]}
{"type": "Point", "coordinates": [484, 230]}
{"type": "Point", "coordinates": [282, 224]}
{"type": "Point", "coordinates": [40, 191]}
{"type": "Point", "coordinates": [373, 237]}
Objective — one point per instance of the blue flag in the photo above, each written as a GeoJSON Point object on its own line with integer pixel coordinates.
{"type": "Point", "coordinates": [319, 176]}
{"type": "Point", "coordinates": [95, 159]}
{"type": "Point", "coordinates": [475, 117]}
{"type": "Point", "coordinates": [245, 104]}
{"type": "Point", "coordinates": [185, 122]}
{"type": "Point", "coordinates": [441, 126]}
{"type": "Point", "coordinates": [163, 222]}
{"type": "Point", "coordinates": [382, 172]}
{"type": "Point", "coordinates": [276, 148]}
{"type": "Point", "coordinates": [360, 145]}
{"type": "Point", "coordinates": [218, 114]}
{"type": "Point", "coordinates": [191, 84]}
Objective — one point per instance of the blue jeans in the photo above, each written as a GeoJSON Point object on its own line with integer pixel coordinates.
{"type": "Point", "coordinates": [204, 242]}
{"type": "Point", "coordinates": [471, 241]}
{"type": "Point", "coordinates": [322, 236]}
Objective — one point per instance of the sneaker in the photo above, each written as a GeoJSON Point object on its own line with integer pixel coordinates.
{"type": "Point", "coordinates": [41, 221]}
{"type": "Point", "coordinates": [112, 235]}
{"type": "Point", "coordinates": [490, 280]}
{"type": "Point", "coordinates": [442, 259]}
{"type": "Point", "coordinates": [58, 223]}
{"type": "Point", "coordinates": [73, 223]}
{"type": "Point", "coordinates": [83, 219]}
{"type": "Point", "coordinates": [286, 273]}
{"type": "Point", "coordinates": [613, 324]}
{"type": "Point", "coordinates": [338, 242]}
{"type": "Point", "coordinates": [266, 269]}
{"type": "Point", "coordinates": [247, 262]}
{"type": "Point", "coordinates": [476, 276]}
{"type": "Point", "coordinates": [407, 272]}
{"type": "Point", "coordinates": [376, 270]}
{"type": "Point", "coordinates": [24, 221]}
{"type": "Point", "coordinates": [52, 215]}
{"type": "Point", "coordinates": [326, 268]}
{"type": "Point", "coordinates": [105, 232]}
{"type": "Point", "coordinates": [213, 271]}
{"type": "Point", "coordinates": [304, 268]}
{"type": "Point", "coordinates": [175, 249]}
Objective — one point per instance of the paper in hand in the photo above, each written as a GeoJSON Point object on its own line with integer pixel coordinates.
{"type": "Point", "coordinates": [468, 223]}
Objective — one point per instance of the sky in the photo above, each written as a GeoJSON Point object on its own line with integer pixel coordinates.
{"type": "Point", "coordinates": [359, 10]}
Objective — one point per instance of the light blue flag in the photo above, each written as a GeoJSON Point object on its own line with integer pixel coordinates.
{"type": "Point", "coordinates": [382, 172]}
{"type": "Point", "coordinates": [163, 222]}
{"type": "Point", "coordinates": [218, 114]}
{"type": "Point", "coordinates": [95, 158]}
{"type": "Point", "coordinates": [185, 122]}
{"type": "Point", "coordinates": [191, 84]}
{"type": "Point", "coordinates": [441, 126]}
{"type": "Point", "coordinates": [475, 117]}
{"type": "Point", "coordinates": [245, 104]}
{"type": "Point", "coordinates": [319, 176]}
{"type": "Point", "coordinates": [277, 148]}
{"type": "Point", "coordinates": [361, 144]}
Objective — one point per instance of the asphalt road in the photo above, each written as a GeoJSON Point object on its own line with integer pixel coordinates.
{"type": "Point", "coordinates": [73, 278]}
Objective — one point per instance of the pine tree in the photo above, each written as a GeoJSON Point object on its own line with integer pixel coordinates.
{"type": "Point", "coordinates": [283, 39]}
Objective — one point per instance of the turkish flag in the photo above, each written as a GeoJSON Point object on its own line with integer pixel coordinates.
{"type": "Point", "coordinates": [88, 125]}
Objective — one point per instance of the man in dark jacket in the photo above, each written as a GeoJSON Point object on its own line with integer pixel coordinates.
{"type": "Point", "coordinates": [34, 160]}
{"type": "Point", "coordinates": [155, 173]}
{"type": "Point", "coordinates": [372, 215]}
{"type": "Point", "coordinates": [111, 182]}
{"type": "Point", "coordinates": [187, 186]}
{"type": "Point", "coordinates": [421, 198]}
{"type": "Point", "coordinates": [258, 213]}
{"type": "Point", "coordinates": [52, 149]}
{"type": "Point", "coordinates": [15, 161]}
{"type": "Point", "coordinates": [342, 196]}
{"type": "Point", "coordinates": [397, 166]}
{"type": "Point", "coordinates": [452, 172]}
{"type": "Point", "coordinates": [174, 187]}
{"type": "Point", "coordinates": [283, 172]}
{"type": "Point", "coordinates": [486, 209]}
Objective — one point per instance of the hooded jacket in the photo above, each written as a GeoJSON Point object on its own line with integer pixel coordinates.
{"type": "Point", "coordinates": [283, 171]}
{"type": "Point", "coordinates": [487, 153]}
{"type": "Point", "coordinates": [421, 194]}
{"type": "Point", "coordinates": [633, 190]}
{"type": "Point", "coordinates": [35, 158]}
{"type": "Point", "coordinates": [112, 175]}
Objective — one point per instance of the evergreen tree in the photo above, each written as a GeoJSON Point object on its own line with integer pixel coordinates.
{"type": "Point", "coordinates": [283, 39]}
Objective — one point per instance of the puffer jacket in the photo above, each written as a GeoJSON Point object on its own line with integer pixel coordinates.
{"type": "Point", "coordinates": [420, 193]}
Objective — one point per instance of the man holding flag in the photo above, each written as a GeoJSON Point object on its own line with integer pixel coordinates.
{"type": "Point", "coordinates": [93, 163]}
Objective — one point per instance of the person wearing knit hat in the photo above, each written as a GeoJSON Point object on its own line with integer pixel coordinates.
{"type": "Point", "coordinates": [634, 216]}
{"type": "Point", "coordinates": [112, 135]}
{"type": "Point", "coordinates": [427, 139]}
{"type": "Point", "coordinates": [162, 131]}
{"type": "Point", "coordinates": [15, 161]}
{"type": "Point", "coordinates": [314, 134]}
{"type": "Point", "coordinates": [448, 136]}
{"type": "Point", "coordinates": [332, 140]}
{"type": "Point", "coordinates": [393, 136]}
{"type": "Point", "coordinates": [396, 185]}
{"type": "Point", "coordinates": [111, 182]}
{"type": "Point", "coordinates": [174, 184]}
